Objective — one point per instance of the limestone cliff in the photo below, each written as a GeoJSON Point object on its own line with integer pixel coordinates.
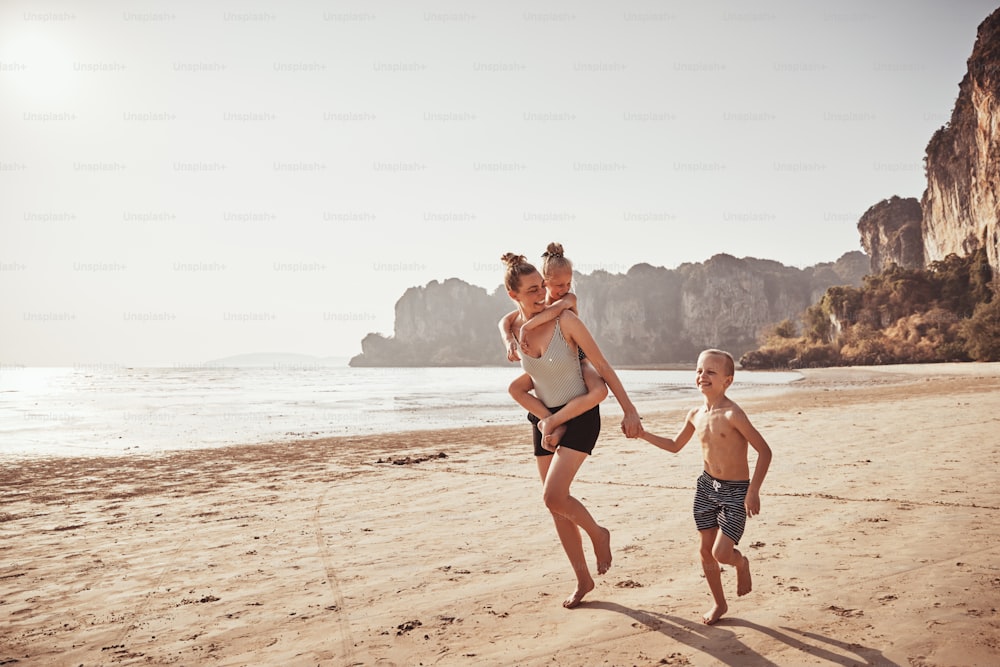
{"type": "Point", "coordinates": [649, 315]}
{"type": "Point", "coordinates": [443, 324]}
{"type": "Point", "coordinates": [891, 234]}
{"type": "Point", "coordinates": [961, 205]}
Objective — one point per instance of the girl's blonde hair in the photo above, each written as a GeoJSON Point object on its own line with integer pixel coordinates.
{"type": "Point", "coordinates": [553, 260]}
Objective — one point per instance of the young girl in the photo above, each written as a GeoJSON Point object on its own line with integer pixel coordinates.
{"type": "Point", "coordinates": [557, 272]}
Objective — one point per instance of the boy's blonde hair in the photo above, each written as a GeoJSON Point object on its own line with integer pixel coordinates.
{"type": "Point", "coordinates": [728, 359]}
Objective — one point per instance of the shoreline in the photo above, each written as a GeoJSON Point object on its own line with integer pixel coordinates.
{"type": "Point", "coordinates": [840, 377]}
{"type": "Point", "coordinates": [68, 413]}
{"type": "Point", "coordinates": [875, 544]}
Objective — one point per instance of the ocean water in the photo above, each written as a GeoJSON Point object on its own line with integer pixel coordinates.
{"type": "Point", "coordinates": [94, 411]}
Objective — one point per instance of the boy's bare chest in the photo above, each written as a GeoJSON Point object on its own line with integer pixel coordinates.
{"type": "Point", "coordinates": [715, 428]}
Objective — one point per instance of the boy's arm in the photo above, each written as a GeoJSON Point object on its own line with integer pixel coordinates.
{"type": "Point", "coordinates": [756, 440]}
{"type": "Point", "coordinates": [507, 333]}
{"type": "Point", "coordinates": [677, 443]}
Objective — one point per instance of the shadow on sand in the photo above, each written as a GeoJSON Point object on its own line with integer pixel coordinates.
{"type": "Point", "coordinates": [722, 644]}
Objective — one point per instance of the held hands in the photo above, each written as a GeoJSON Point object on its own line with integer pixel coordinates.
{"type": "Point", "coordinates": [631, 424]}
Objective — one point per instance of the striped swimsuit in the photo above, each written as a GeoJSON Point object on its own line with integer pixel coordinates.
{"type": "Point", "coordinates": [556, 374]}
{"type": "Point", "coordinates": [558, 379]}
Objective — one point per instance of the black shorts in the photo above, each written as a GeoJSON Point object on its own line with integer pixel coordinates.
{"type": "Point", "coordinates": [581, 432]}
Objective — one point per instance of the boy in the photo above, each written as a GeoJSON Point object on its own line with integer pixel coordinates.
{"type": "Point", "coordinates": [725, 494]}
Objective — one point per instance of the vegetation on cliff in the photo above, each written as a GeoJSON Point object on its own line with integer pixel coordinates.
{"type": "Point", "coordinates": [930, 294]}
{"type": "Point", "coordinates": [946, 312]}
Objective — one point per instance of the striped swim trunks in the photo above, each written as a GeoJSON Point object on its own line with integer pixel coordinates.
{"type": "Point", "coordinates": [720, 503]}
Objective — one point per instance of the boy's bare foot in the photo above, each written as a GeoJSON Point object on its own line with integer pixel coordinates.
{"type": "Point", "coordinates": [602, 548]}
{"type": "Point", "coordinates": [714, 614]}
{"type": "Point", "coordinates": [576, 598]}
{"type": "Point", "coordinates": [743, 582]}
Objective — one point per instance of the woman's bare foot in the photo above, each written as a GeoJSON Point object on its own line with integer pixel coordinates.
{"type": "Point", "coordinates": [743, 582]}
{"type": "Point", "coordinates": [582, 588]}
{"type": "Point", "coordinates": [714, 614]}
{"type": "Point", "coordinates": [602, 548]}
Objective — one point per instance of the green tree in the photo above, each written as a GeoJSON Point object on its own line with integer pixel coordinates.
{"type": "Point", "coordinates": [786, 329]}
{"type": "Point", "coordinates": [817, 326]}
{"type": "Point", "coordinates": [982, 332]}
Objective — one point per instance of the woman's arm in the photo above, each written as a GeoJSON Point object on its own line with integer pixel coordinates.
{"type": "Point", "coordinates": [597, 391]}
{"type": "Point", "coordinates": [579, 334]}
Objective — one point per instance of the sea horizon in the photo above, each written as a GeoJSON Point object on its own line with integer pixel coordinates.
{"type": "Point", "coordinates": [113, 410]}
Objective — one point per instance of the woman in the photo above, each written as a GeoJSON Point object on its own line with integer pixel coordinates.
{"type": "Point", "coordinates": [557, 275]}
{"type": "Point", "coordinates": [551, 358]}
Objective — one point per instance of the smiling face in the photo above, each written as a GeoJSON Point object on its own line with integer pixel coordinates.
{"type": "Point", "coordinates": [558, 284]}
{"type": "Point", "coordinates": [713, 376]}
{"type": "Point", "coordinates": [530, 294]}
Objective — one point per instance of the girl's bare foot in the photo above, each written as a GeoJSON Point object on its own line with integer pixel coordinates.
{"type": "Point", "coordinates": [582, 588]}
{"type": "Point", "coordinates": [743, 582]}
{"type": "Point", "coordinates": [550, 440]}
{"type": "Point", "coordinates": [714, 614]}
{"type": "Point", "coordinates": [602, 548]}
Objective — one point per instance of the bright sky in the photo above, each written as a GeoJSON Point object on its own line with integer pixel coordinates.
{"type": "Point", "coordinates": [183, 181]}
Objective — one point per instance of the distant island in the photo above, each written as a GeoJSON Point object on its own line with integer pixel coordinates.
{"type": "Point", "coordinates": [277, 360]}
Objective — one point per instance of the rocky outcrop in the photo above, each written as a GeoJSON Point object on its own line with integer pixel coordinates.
{"type": "Point", "coordinates": [657, 315]}
{"type": "Point", "coordinates": [961, 205]}
{"type": "Point", "coordinates": [891, 234]}
{"type": "Point", "coordinates": [649, 315]}
{"type": "Point", "coordinates": [443, 324]}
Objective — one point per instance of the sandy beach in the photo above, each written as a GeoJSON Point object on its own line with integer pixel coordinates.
{"type": "Point", "coordinates": [876, 545]}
